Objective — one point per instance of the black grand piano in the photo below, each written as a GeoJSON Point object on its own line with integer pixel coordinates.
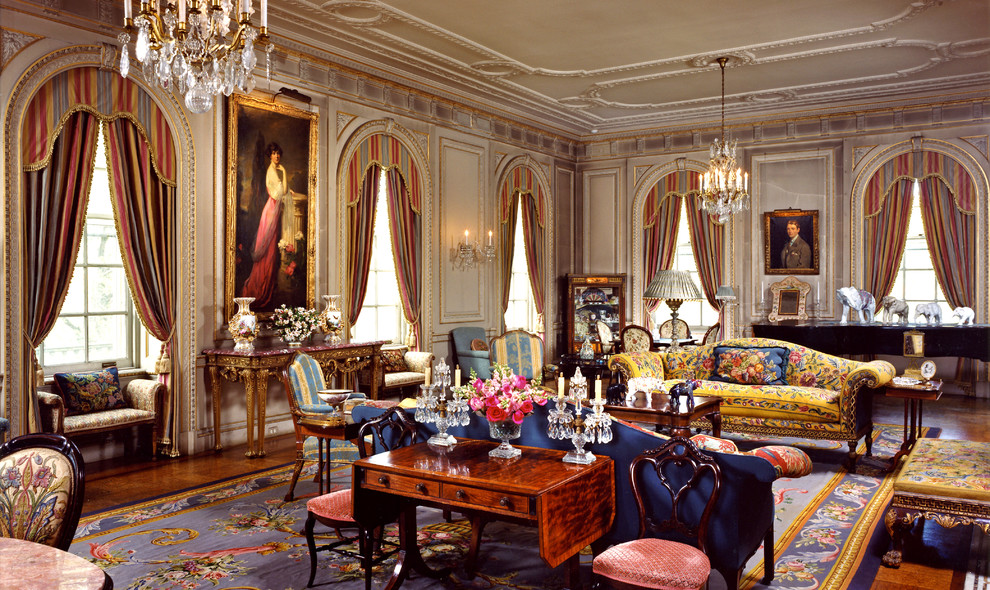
{"type": "Point", "coordinates": [831, 337]}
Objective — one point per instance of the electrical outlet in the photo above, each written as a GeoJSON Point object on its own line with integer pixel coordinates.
{"type": "Point", "coordinates": [273, 430]}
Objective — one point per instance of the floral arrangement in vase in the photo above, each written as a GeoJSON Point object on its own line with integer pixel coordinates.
{"type": "Point", "coordinates": [504, 400]}
{"type": "Point", "coordinates": [294, 324]}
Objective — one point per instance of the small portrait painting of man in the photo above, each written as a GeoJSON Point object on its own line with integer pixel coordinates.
{"type": "Point", "coordinates": [791, 242]}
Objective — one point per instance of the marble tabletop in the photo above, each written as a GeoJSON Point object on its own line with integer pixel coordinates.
{"type": "Point", "coordinates": [25, 565]}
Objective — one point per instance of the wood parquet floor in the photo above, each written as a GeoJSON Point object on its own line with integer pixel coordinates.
{"type": "Point", "coordinates": [114, 483]}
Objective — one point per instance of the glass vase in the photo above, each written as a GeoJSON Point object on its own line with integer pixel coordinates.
{"type": "Point", "coordinates": [504, 431]}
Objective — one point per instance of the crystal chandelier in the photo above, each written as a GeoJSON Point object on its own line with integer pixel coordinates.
{"type": "Point", "coordinates": [199, 47]}
{"type": "Point", "coordinates": [723, 187]}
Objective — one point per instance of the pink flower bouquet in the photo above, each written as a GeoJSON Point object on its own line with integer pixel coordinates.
{"type": "Point", "coordinates": [504, 397]}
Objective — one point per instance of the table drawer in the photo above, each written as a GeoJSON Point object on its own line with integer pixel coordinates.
{"type": "Point", "coordinates": [400, 484]}
{"type": "Point", "coordinates": [485, 498]}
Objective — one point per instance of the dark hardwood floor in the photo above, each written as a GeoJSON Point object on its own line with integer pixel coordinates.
{"type": "Point", "coordinates": [927, 566]}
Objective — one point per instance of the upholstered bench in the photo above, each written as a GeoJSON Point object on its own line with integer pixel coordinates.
{"type": "Point", "coordinates": [86, 403]}
{"type": "Point", "coordinates": [947, 481]}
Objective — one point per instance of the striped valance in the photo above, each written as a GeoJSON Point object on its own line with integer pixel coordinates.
{"type": "Point", "coordinates": [521, 180]}
{"type": "Point", "coordinates": [105, 94]}
{"type": "Point", "coordinates": [921, 164]}
{"type": "Point", "coordinates": [388, 152]}
{"type": "Point", "coordinates": [680, 183]}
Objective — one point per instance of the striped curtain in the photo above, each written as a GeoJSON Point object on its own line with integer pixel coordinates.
{"type": "Point", "coordinates": [406, 228]}
{"type": "Point", "coordinates": [55, 194]}
{"type": "Point", "coordinates": [706, 243]}
{"type": "Point", "coordinates": [534, 239]}
{"type": "Point", "coordinates": [661, 217]}
{"type": "Point", "coordinates": [507, 235]}
{"type": "Point", "coordinates": [886, 212]}
{"type": "Point", "coordinates": [951, 235]}
{"type": "Point", "coordinates": [145, 209]}
{"type": "Point", "coordinates": [360, 231]}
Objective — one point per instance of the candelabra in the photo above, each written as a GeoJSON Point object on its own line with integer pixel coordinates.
{"type": "Point", "coordinates": [467, 254]}
{"type": "Point", "coordinates": [432, 405]}
{"type": "Point", "coordinates": [581, 429]}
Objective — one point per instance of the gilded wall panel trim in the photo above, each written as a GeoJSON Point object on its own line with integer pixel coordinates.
{"type": "Point", "coordinates": [447, 199]}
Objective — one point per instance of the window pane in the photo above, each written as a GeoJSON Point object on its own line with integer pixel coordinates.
{"type": "Point", "coordinates": [108, 337]}
{"type": "Point", "coordinates": [102, 245]}
{"type": "Point", "coordinates": [75, 300]}
{"type": "Point", "coordinates": [107, 289]}
{"type": "Point", "coordinates": [65, 343]}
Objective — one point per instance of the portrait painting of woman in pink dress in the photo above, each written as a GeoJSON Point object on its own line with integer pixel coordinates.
{"type": "Point", "coordinates": [269, 205]}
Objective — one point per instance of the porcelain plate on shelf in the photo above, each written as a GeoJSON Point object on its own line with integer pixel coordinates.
{"type": "Point", "coordinates": [905, 381]}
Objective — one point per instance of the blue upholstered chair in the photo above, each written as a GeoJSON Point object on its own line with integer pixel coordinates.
{"type": "Point", "coordinates": [467, 358]}
{"type": "Point", "coordinates": [522, 352]}
{"type": "Point", "coordinates": [311, 416]}
{"type": "Point", "coordinates": [4, 428]}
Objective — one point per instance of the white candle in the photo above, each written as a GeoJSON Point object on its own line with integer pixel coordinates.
{"type": "Point", "coordinates": [245, 5]}
{"type": "Point", "coordinates": [489, 237]}
{"type": "Point", "coordinates": [264, 13]}
{"type": "Point", "coordinates": [182, 11]}
{"type": "Point", "coordinates": [560, 387]}
{"type": "Point", "coordinates": [127, 9]}
{"type": "Point", "coordinates": [457, 376]}
{"type": "Point", "coordinates": [598, 389]}
{"type": "Point", "coordinates": [428, 376]}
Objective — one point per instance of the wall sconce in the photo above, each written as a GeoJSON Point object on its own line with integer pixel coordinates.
{"type": "Point", "coordinates": [467, 254]}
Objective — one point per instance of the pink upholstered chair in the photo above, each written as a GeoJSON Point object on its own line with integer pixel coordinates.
{"type": "Point", "coordinates": [652, 562]}
{"type": "Point", "coordinates": [391, 430]}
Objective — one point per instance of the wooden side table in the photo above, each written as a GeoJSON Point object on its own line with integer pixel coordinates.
{"type": "Point", "coordinates": [655, 408]}
{"type": "Point", "coordinates": [914, 397]}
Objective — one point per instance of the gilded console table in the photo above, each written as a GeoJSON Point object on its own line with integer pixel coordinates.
{"type": "Point", "coordinates": [255, 367]}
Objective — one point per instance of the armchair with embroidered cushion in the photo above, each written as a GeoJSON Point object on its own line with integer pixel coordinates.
{"type": "Point", "coordinates": [43, 487]}
{"type": "Point", "coordinates": [470, 346]}
{"type": "Point", "coordinates": [634, 338]}
{"type": "Point", "coordinates": [91, 402]}
{"type": "Point", "coordinates": [403, 371]}
{"type": "Point", "coordinates": [522, 352]}
{"type": "Point", "coordinates": [678, 326]}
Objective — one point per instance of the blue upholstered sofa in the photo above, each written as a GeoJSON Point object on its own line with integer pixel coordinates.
{"type": "Point", "coordinates": [743, 516]}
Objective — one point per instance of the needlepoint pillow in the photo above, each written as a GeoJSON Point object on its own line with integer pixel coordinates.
{"type": "Point", "coordinates": [394, 360]}
{"type": "Point", "coordinates": [750, 366]}
{"type": "Point", "coordinates": [786, 461]}
{"type": "Point", "coordinates": [479, 344]}
{"type": "Point", "coordinates": [90, 392]}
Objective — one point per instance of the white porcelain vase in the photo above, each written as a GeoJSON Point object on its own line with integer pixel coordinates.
{"type": "Point", "coordinates": [243, 325]}
{"type": "Point", "coordinates": [331, 319]}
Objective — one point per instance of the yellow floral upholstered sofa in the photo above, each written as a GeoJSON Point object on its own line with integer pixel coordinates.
{"type": "Point", "coordinates": [773, 387]}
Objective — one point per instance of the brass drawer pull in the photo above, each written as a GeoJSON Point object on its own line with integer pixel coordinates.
{"type": "Point", "coordinates": [461, 494]}
{"type": "Point", "coordinates": [421, 488]}
{"type": "Point", "coordinates": [504, 502]}
{"type": "Point", "coordinates": [383, 480]}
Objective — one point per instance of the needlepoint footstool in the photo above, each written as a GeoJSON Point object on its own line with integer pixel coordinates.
{"type": "Point", "coordinates": [946, 481]}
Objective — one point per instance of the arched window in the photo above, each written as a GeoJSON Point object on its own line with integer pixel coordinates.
{"type": "Point", "coordinates": [521, 310]}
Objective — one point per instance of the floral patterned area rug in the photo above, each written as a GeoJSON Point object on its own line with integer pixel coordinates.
{"type": "Point", "coordinates": [238, 533]}
{"type": "Point", "coordinates": [829, 531]}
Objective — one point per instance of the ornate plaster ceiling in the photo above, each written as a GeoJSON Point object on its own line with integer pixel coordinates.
{"type": "Point", "coordinates": [580, 66]}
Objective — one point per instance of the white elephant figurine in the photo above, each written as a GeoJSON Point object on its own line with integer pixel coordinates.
{"type": "Point", "coordinates": [861, 301]}
{"type": "Point", "coordinates": [966, 315]}
{"type": "Point", "coordinates": [931, 311]}
{"type": "Point", "coordinates": [894, 307]}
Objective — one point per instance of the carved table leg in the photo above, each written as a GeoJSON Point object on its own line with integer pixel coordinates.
{"type": "Point", "coordinates": [248, 378]}
{"type": "Point", "coordinates": [215, 390]}
{"type": "Point", "coordinates": [898, 522]}
{"type": "Point", "coordinates": [261, 400]}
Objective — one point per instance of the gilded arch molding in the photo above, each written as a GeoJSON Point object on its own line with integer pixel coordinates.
{"type": "Point", "coordinates": [963, 157]}
{"type": "Point", "coordinates": [16, 364]}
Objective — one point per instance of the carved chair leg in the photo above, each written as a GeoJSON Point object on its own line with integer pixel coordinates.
{"type": "Point", "coordinates": [852, 457]}
{"type": "Point", "coordinates": [295, 476]}
{"type": "Point", "coordinates": [731, 577]}
{"type": "Point", "coordinates": [311, 543]}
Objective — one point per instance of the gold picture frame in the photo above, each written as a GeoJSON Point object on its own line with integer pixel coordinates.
{"type": "Point", "coordinates": [790, 297]}
{"type": "Point", "coordinates": [782, 258]}
{"type": "Point", "coordinates": [279, 268]}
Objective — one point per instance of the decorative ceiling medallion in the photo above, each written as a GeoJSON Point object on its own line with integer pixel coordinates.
{"type": "Point", "coordinates": [733, 59]}
{"type": "Point", "coordinates": [766, 97]}
{"type": "Point", "coordinates": [357, 13]}
{"type": "Point", "coordinates": [497, 67]}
